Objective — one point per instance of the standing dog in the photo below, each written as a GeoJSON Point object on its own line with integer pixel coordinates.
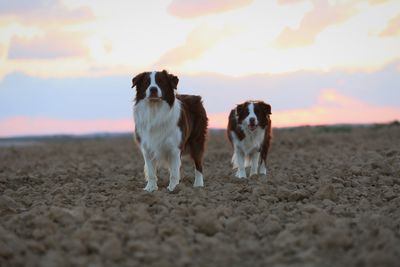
{"type": "Point", "coordinates": [166, 124]}
{"type": "Point", "coordinates": [249, 131]}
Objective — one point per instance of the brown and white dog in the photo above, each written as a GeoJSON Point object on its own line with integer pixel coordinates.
{"type": "Point", "coordinates": [167, 124]}
{"type": "Point", "coordinates": [249, 131]}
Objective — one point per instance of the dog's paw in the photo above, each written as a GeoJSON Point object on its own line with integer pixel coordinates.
{"type": "Point", "coordinates": [253, 173]}
{"type": "Point", "coordinates": [263, 170]}
{"type": "Point", "coordinates": [172, 185]}
{"type": "Point", "coordinates": [198, 179]}
{"type": "Point", "coordinates": [241, 174]}
{"type": "Point", "coordinates": [151, 186]}
{"type": "Point", "coordinates": [198, 183]}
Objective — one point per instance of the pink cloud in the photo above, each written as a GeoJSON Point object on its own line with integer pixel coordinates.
{"type": "Point", "coordinates": [331, 108]}
{"type": "Point", "coordinates": [393, 27]}
{"type": "Point", "coordinates": [196, 8]}
{"type": "Point", "coordinates": [24, 126]}
{"type": "Point", "coordinates": [52, 45]}
{"type": "Point", "coordinates": [322, 15]}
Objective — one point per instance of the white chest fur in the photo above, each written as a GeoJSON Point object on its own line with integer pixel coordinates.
{"type": "Point", "coordinates": [251, 142]}
{"type": "Point", "coordinates": [157, 126]}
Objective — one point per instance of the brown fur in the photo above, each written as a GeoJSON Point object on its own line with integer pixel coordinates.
{"type": "Point", "coordinates": [193, 124]}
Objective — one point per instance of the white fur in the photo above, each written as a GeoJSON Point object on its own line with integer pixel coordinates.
{"type": "Point", "coordinates": [252, 114]}
{"type": "Point", "coordinates": [246, 152]}
{"type": "Point", "coordinates": [153, 84]}
{"type": "Point", "coordinates": [198, 179]}
{"type": "Point", "coordinates": [157, 125]}
{"type": "Point", "coordinates": [263, 169]}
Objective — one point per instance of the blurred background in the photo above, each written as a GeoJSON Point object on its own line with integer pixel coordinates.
{"type": "Point", "coordinates": [66, 65]}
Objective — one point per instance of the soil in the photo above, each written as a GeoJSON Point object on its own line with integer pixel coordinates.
{"type": "Point", "coordinates": [331, 198]}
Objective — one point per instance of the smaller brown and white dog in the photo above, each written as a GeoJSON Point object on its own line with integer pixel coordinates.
{"type": "Point", "coordinates": [249, 132]}
{"type": "Point", "coordinates": [166, 125]}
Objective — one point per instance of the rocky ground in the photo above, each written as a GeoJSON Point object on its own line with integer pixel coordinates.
{"type": "Point", "coordinates": [332, 198]}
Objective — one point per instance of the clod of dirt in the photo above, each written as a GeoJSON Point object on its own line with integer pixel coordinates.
{"type": "Point", "coordinates": [8, 205]}
{"type": "Point", "coordinates": [336, 239]}
{"type": "Point", "coordinates": [283, 193]}
{"type": "Point", "coordinates": [206, 222]}
{"type": "Point", "coordinates": [326, 192]}
{"type": "Point", "coordinates": [319, 221]}
{"type": "Point", "coordinates": [297, 195]}
{"type": "Point", "coordinates": [112, 248]}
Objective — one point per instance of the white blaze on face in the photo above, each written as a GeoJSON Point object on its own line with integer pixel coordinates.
{"type": "Point", "coordinates": [252, 115]}
{"type": "Point", "coordinates": [153, 85]}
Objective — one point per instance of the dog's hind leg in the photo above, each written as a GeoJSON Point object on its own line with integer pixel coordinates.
{"type": "Point", "coordinates": [198, 173]}
{"type": "Point", "coordinates": [196, 152]}
{"type": "Point", "coordinates": [174, 169]}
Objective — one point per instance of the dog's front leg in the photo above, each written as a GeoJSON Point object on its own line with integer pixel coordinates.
{"type": "Point", "coordinates": [174, 169]}
{"type": "Point", "coordinates": [239, 158]}
{"type": "Point", "coordinates": [263, 168]}
{"type": "Point", "coordinates": [254, 159]}
{"type": "Point", "coordinates": [149, 171]}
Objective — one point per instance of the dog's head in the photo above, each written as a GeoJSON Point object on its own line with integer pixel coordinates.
{"type": "Point", "coordinates": [155, 87]}
{"type": "Point", "coordinates": [253, 114]}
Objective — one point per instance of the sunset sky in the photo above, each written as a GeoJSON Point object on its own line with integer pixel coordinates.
{"type": "Point", "coordinates": [66, 66]}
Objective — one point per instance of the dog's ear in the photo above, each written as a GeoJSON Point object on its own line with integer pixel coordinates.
{"type": "Point", "coordinates": [138, 79]}
{"type": "Point", "coordinates": [266, 108]}
{"type": "Point", "coordinates": [172, 79]}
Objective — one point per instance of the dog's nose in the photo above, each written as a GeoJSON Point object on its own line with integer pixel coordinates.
{"type": "Point", "coordinates": [153, 90]}
{"type": "Point", "coordinates": [252, 121]}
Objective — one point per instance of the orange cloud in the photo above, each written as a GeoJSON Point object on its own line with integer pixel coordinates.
{"type": "Point", "coordinates": [197, 43]}
{"type": "Point", "coordinates": [393, 27]}
{"type": "Point", "coordinates": [52, 45]}
{"type": "Point", "coordinates": [24, 126]}
{"type": "Point", "coordinates": [331, 108]}
{"type": "Point", "coordinates": [321, 16]}
{"type": "Point", "coordinates": [197, 8]}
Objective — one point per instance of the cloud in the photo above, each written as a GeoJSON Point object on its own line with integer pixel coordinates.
{"type": "Point", "coordinates": [197, 43]}
{"type": "Point", "coordinates": [334, 108]}
{"type": "Point", "coordinates": [392, 28]}
{"type": "Point", "coordinates": [44, 11]}
{"type": "Point", "coordinates": [322, 15]}
{"type": "Point", "coordinates": [27, 126]}
{"type": "Point", "coordinates": [197, 8]}
{"type": "Point", "coordinates": [51, 46]}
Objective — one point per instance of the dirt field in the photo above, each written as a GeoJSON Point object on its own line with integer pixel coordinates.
{"type": "Point", "coordinates": [332, 198]}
